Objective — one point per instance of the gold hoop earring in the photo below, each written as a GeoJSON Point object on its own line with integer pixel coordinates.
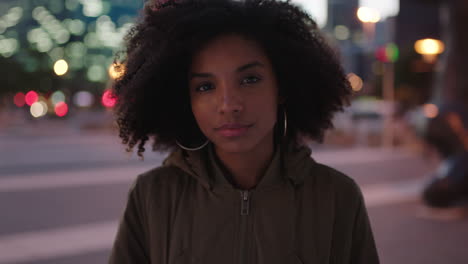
{"type": "Point", "coordinates": [192, 149]}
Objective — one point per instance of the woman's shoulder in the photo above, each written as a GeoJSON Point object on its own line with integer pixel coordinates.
{"type": "Point", "coordinates": [336, 176]}
{"type": "Point", "coordinates": [159, 178]}
{"type": "Point", "coordinates": [301, 165]}
{"type": "Point", "coordinates": [160, 173]}
{"type": "Point", "coordinates": [333, 181]}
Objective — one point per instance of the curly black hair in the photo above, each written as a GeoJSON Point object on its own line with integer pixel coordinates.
{"type": "Point", "coordinates": [153, 97]}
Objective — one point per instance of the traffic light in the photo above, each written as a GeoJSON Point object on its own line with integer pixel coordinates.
{"type": "Point", "coordinates": [387, 53]}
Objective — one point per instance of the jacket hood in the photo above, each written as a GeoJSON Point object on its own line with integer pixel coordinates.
{"type": "Point", "coordinates": [290, 162]}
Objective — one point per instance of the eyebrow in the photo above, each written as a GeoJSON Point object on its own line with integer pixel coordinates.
{"type": "Point", "coordinates": [240, 69]}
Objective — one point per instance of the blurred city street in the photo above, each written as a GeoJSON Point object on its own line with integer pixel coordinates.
{"type": "Point", "coordinates": [62, 192]}
{"type": "Point", "coordinates": [64, 174]}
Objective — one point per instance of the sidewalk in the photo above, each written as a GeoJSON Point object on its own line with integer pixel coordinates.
{"type": "Point", "coordinates": [18, 123]}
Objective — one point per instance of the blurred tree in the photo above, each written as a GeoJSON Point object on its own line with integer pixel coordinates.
{"type": "Point", "coordinates": [15, 78]}
{"type": "Point", "coordinates": [12, 73]}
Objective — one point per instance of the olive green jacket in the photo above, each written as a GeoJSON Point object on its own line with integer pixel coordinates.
{"type": "Point", "coordinates": [187, 211]}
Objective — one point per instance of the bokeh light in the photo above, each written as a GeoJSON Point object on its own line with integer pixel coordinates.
{"type": "Point", "coordinates": [72, 5]}
{"type": "Point", "coordinates": [368, 15]}
{"type": "Point", "coordinates": [355, 81]}
{"type": "Point", "coordinates": [388, 53]}
{"type": "Point", "coordinates": [96, 73]}
{"type": "Point", "coordinates": [13, 16]}
{"type": "Point", "coordinates": [83, 99]}
{"type": "Point", "coordinates": [39, 13]}
{"type": "Point", "coordinates": [341, 32]}
{"type": "Point", "coordinates": [392, 51]}
{"type": "Point", "coordinates": [56, 53]}
{"type": "Point", "coordinates": [39, 109]}
{"type": "Point", "coordinates": [62, 36]}
{"type": "Point", "coordinates": [19, 99]}
{"type": "Point", "coordinates": [108, 100]}
{"type": "Point", "coordinates": [76, 49]}
{"type": "Point", "coordinates": [31, 97]}
{"type": "Point", "coordinates": [77, 63]}
{"type": "Point", "coordinates": [91, 40]}
{"type": "Point", "coordinates": [430, 110]}
{"type": "Point", "coordinates": [61, 109]}
{"type": "Point", "coordinates": [44, 44]}
{"type": "Point", "coordinates": [429, 46]}
{"type": "Point", "coordinates": [3, 26]}
{"type": "Point", "coordinates": [60, 67]}
{"type": "Point", "coordinates": [116, 70]}
{"type": "Point", "coordinates": [8, 46]}
{"type": "Point", "coordinates": [76, 27]}
{"type": "Point", "coordinates": [57, 97]}
{"type": "Point", "coordinates": [92, 8]}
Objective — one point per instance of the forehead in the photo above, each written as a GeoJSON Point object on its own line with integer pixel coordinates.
{"type": "Point", "coordinates": [228, 50]}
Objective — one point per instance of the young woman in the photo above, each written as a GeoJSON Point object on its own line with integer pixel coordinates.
{"type": "Point", "coordinates": [234, 89]}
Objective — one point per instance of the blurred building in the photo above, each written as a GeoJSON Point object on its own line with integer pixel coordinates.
{"type": "Point", "coordinates": [346, 29]}
{"type": "Point", "coordinates": [343, 12]}
{"type": "Point", "coordinates": [35, 34]}
{"type": "Point", "coordinates": [357, 42]}
{"type": "Point", "coordinates": [416, 20]}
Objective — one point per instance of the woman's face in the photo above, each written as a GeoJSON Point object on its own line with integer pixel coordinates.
{"type": "Point", "coordinates": [234, 94]}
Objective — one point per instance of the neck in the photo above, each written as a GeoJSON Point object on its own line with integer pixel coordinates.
{"type": "Point", "coordinates": [248, 168]}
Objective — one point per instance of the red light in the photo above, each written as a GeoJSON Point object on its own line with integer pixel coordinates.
{"type": "Point", "coordinates": [19, 99]}
{"type": "Point", "coordinates": [31, 97]}
{"type": "Point", "coordinates": [61, 109]}
{"type": "Point", "coordinates": [381, 54]}
{"type": "Point", "coordinates": [108, 99]}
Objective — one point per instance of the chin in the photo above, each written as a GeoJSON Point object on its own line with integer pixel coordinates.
{"type": "Point", "coordinates": [234, 146]}
{"type": "Point", "coordinates": [244, 144]}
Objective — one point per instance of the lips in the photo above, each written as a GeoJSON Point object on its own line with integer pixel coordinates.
{"type": "Point", "coordinates": [233, 130]}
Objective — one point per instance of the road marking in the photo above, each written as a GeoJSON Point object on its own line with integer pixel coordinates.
{"type": "Point", "coordinates": [127, 174]}
{"type": "Point", "coordinates": [376, 195]}
{"type": "Point", "coordinates": [82, 239]}
{"type": "Point", "coordinates": [60, 242]}
{"type": "Point", "coordinates": [360, 156]}
{"type": "Point", "coordinates": [70, 179]}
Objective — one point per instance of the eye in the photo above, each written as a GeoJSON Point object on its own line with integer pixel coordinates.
{"type": "Point", "coordinates": [250, 80]}
{"type": "Point", "coordinates": [204, 87]}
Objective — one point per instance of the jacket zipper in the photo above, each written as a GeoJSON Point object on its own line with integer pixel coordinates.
{"type": "Point", "coordinates": [245, 209]}
{"type": "Point", "coordinates": [245, 206]}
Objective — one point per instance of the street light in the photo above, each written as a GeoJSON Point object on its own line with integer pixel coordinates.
{"type": "Point", "coordinates": [429, 48]}
{"type": "Point", "coordinates": [368, 16]}
{"type": "Point", "coordinates": [60, 67]}
{"type": "Point", "coordinates": [116, 70]}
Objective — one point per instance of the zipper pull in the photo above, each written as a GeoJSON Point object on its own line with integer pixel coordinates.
{"type": "Point", "coordinates": [245, 202]}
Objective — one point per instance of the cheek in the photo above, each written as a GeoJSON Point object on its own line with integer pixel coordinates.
{"type": "Point", "coordinates": [270, 113]}
{"type": "Point", "coordinates": [267, 104]}
{"type": "Point", "coordinates": [201, 112]}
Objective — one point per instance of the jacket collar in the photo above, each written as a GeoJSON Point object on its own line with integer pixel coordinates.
{"type": "Point", "coordinates": [220, 174]}
{"type": "Point", "coordinates": [289, 163]}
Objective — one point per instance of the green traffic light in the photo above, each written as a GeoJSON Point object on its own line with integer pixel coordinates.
{"type": "Point", "coordinates": [392, 52]}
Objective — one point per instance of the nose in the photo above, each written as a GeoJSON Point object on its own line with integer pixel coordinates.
{"type": "Point", "coordinates": [229, 99]}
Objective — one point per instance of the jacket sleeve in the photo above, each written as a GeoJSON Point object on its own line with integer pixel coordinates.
{"type": "Point", "coordinates": [363, 249]}
{"type": "Point", "coordinates": [131, 243]}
